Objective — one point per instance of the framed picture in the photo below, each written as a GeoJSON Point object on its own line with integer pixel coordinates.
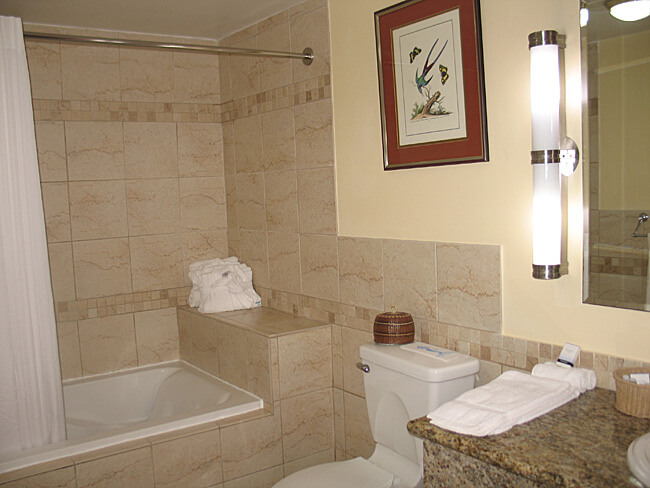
{"type": "Point", "coordinates": [431, 83]}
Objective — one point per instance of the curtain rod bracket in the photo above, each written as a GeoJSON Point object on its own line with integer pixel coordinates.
{"type": "Point", "coordinates": [308, 54]}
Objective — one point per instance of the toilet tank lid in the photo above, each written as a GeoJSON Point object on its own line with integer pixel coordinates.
{"type": "Point", "coordinates": [420, 360]}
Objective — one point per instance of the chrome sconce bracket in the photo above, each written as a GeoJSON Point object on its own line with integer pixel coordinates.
{"type": "Point", "coordinates": [569, 156]}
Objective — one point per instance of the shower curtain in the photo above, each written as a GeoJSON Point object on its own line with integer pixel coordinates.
{"type": "Point", "coordinates": [31, 400]}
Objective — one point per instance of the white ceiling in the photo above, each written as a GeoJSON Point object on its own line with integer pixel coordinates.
{"type": "Point", "coordinates": [212, 19]}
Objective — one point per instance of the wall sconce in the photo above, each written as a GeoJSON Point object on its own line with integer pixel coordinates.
{"type": "Point", "coordinates": [628, 10]}
{"type": "Point", "coordinates": [551, 156]}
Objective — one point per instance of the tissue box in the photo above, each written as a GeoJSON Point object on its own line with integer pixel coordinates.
{"type": "Point", "coordinates": [631, 398]}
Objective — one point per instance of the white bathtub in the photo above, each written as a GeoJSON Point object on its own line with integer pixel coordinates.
{"type": "Point", "coordinates": [105, 410]}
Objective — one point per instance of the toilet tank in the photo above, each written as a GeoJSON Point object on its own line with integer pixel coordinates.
{"type": "Point", "coordinates": [409, 381]}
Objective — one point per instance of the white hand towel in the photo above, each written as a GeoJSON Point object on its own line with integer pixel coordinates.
{"type": "Point", "coordinates": [581, 378]}
{"type": "Point", "coordinates": [513, 398]}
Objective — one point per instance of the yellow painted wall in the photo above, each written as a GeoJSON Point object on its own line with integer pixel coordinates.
{"type": "Point", "coordinates": [487, 203]}
{"type": "Point", "coordinates": [623, 121]}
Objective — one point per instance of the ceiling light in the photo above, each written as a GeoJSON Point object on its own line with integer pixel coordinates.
{"type": "Point", "coordinates": [628, 10]}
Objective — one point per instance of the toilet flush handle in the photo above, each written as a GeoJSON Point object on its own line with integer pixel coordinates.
{"type": "Point", "coordinates": [363, 367]}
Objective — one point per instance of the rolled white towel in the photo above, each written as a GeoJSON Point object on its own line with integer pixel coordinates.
{"type": "Point", "coordinates": [581, 378]}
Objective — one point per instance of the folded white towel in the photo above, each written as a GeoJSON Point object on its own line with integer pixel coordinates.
{"type": "Point", "coordinates": [513, 398]}
{"type": "Point", "coordinates": [581, 378]}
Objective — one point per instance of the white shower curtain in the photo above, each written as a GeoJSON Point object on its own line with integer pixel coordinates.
{"type": "Point", "coordinates": [31, 400]}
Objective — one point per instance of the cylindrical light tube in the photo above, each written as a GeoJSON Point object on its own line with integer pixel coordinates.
{"type": "Point", "coordinates": [545, 154]}
{"type": "Point", "coordinates": [547, 219]}
{"type": "Point", "coordinates": [545, 90]}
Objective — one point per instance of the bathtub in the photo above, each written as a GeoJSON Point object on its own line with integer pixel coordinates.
{"type": "Point", "coordinates": [110, 409]}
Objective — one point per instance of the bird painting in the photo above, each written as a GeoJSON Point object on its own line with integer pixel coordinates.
{"type": "Point", "coordinates": [420, 80]}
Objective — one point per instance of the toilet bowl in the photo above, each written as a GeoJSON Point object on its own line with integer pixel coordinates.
{"type": "Point", "coordinates": [638, 459]}
{"type": "Point", "coordinates": [401, 382]}
{"type": "Point", "coordinates": [355, 473]}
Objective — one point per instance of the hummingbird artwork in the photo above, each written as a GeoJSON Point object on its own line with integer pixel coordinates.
{"type": "Point", "coordinates": [422, 80]}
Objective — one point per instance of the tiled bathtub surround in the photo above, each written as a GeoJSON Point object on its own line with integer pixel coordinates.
{"type": "Point", "coordinates": [131, 153]}
{"type": "Point", "coordinates": [131, 161]}
{"type": "Point", "coordinates": [283, 358]}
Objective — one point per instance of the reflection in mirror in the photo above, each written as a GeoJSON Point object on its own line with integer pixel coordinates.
{"type": "Point", "coordinates": [616, 147]}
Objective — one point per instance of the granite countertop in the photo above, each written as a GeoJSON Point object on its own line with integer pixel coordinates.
{"type": "Point", "coordinates": [581, 444]}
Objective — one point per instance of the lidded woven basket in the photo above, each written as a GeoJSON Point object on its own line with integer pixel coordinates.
{"type": "Point", "coordinates": [394, 327]}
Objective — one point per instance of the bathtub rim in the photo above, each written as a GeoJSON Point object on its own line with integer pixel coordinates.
{"type": "Point", "coordinates": [150, 433]}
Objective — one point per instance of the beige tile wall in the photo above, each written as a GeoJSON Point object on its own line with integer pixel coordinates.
{"type": "Point", "coordinates": [282, 222]}
{"type": "Point", "coordinates": [462, 283]}
{"type": "Point", "coordinates": [278, 150]}
{"type": "Point", "coordinates": [459, 282]}
{"type": "Point", "coordinates": [268, 125]}
{"type": "Point", "coordinates": [131, 160]}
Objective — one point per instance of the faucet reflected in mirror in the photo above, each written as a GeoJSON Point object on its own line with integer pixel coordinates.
{"type": "Point", "coordinates": [643, 217]}
{"type": "Point", "coordinates": [616, 149]}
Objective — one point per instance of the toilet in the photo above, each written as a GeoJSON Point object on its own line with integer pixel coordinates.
{"type": "Point", "coordinates": [402, 382]}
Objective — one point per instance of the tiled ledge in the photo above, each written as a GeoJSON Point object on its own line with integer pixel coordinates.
{"type": "Point", "coordinates": [269, 353]}
{"type": "Point", "coordinates": [262, 321]}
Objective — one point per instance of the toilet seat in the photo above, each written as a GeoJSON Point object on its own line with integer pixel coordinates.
{"type": "Point", "coordinates": [355, 473]}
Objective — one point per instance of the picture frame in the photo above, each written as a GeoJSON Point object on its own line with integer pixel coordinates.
{"type": "Point", "coordinates": [431, 83]}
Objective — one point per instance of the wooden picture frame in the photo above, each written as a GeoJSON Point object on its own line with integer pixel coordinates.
{"type": "Point", "coordinates": [431, 83]}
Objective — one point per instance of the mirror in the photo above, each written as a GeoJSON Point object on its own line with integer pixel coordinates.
{"type": "Point", "coordinates": [616, 150]}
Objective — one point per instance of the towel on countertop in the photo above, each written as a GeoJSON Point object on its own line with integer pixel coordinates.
{"type": "Point", "coordinates": [513, 398]}
{"type": "Point", "coordinates": [583, 379]}
{"type": "Point", "coordinates": [221, 285]}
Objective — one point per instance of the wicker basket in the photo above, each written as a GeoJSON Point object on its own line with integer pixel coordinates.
{"type": "Point", "coordinates": [394, 327]}
{"type": "Point", "coordinates": [632, 399]}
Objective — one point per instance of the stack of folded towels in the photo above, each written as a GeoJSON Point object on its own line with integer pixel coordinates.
{"type": "Point", "coordinates": [513, 398]}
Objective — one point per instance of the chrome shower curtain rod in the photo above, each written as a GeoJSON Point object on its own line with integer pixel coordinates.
{"type": "Point", "coordinates": [307, 55]}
